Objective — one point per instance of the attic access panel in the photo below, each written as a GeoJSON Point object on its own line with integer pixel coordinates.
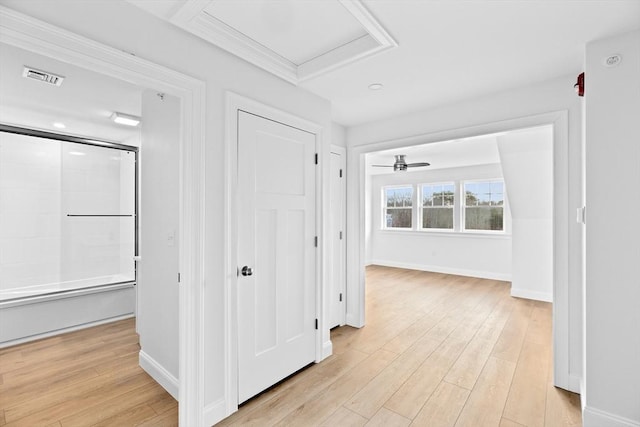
{"type": "Point", "coordinates": [293, 40]}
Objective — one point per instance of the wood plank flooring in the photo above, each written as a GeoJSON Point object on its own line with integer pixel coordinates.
{"type": "Point", "coordinates": [438, 350]}
{"type": "Point", "coordinates": [85, 378]}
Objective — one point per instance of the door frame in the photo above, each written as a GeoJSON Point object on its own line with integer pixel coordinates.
{"type": "Point", "coordinates": [559, 120]}
{"type": "Point", "coordinates": [28, 33]}
{"type": "Point", "coordinates": [234, 103]}
{"type": "Point", "coordinates": [342, 152]}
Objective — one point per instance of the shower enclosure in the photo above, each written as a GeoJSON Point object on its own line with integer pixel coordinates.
{"type": "Point", "coordinates": [68, 227]}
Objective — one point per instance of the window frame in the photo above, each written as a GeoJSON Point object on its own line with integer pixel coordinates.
{"type": "Point", "coordinates": [421, 207]}
{"type": "Point", "coordinates": [463, 206]}
{"type": "Point", "coordinates": [384, 206]}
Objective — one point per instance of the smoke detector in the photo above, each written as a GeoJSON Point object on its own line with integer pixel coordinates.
{"type": "Point", "coordinates": [42, 76]}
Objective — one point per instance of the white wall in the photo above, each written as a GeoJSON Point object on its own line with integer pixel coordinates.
{"type": "Point", "coordinates": [539, 98]}
{"type": "Point", "coordinates": [612, 292]}
{"type": "Point", "coordinates": [157, 316]}
{"type": "Point", "coordinates": [527, 164]}
{"type": "Point", "coordinates": [467, 254]}
{"type": "Point", "coordinates": [338, 135]}
{"type": "Point", "coordinates": [124, 26]}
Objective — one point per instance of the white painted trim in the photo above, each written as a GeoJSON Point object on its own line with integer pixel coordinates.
{"type": "Point", "coordinates": [234, 103]}
{"type": "Point", "coordinates": [327, 349]}
{"type": "Point", "coordinates": [342, 152]}
{"type": "Point", "coordinates": [446, 270]}
{"type": "Point", "coordinates": [159, 374]}
{"type": "Point", "coordinates": [575, 383]}
{"type": "Point", "coordinates": [65, 330]}
{"type": "Point", "coordinates": [592, 417]}
{"type": "Point", "coordinates": [526, 294]}
{"type": "Point", "coordinates": [356, 220]}
{"type": "Point", "coordinates": [36, 36]}
{"type": "Point", "coordinates": [215, 411]}
{"type": "Point", "coordinates": [191, 17]}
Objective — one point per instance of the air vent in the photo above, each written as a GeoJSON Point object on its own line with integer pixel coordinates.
{"type": "Point", "coordinates": [42, 76]}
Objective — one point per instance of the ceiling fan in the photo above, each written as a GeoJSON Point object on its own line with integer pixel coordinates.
{"type": "Point", "coordinates": [401, 164]}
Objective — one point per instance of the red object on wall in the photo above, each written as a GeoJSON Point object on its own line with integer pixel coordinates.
{"type": "Point", "coordinates": [579, 86]}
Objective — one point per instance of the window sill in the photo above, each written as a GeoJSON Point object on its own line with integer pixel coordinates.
{"type": "Point", "coordinates": [445, 233]}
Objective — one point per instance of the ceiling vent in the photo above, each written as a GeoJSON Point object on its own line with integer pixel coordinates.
{"type": "Point", "coordinates": [42, 76]}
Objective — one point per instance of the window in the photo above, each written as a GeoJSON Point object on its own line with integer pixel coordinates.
{"type": "Point", "coordinates": [484, 205]}
{"type": "Point", "coordinates": [398, 207]}
{"type": "Point", "coordinates": [437, 206]}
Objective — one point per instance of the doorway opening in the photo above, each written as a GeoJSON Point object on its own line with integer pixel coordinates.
{"type": "Point", "coordinates": [36, 38]}
{"type": "Point", "coordinates": [360, 225]}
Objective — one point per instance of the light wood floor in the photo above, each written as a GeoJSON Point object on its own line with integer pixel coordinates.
{"type": "Point", "coordinates": [84, 378]}
{"type": "Point", "coordinates": [437, 350]}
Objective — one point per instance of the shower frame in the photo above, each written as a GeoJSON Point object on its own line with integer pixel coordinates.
{"type": "Point", "coordinates": [96, 143]}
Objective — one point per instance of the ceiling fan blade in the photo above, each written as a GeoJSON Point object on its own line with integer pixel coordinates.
{"type": "Point", "coordinates": [382, 166]}
{"type": "Point", "coordinates": [417, 165]}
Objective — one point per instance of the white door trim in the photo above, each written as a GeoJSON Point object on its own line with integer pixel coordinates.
{"type": "Point", "coordinates": [28, 33]}
{"type": "Point", "coordinates": [235, 102]}
{"type": "Point", "coordinates": [342, 151]}
{"type": "Point", "coordinates": [356, 223]}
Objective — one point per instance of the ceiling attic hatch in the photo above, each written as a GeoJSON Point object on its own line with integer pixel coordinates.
{"type": "Point", "coordinates": [294, 40]}
{"type": "Point", "coordinates": [42, 76]}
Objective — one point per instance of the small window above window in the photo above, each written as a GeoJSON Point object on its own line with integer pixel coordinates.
{"type": "Point", "coordinates": [398, 207]}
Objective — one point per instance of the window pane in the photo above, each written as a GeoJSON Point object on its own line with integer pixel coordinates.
{"type": "Point", "coordinates": [483, 218]}
{"type": "Point", "coordinates": [437, 218]}
{"type": "Point", "coordinates": [449, 193]}
{"type": "Point", "coordinates": [399, 197]}
{"type": "Point", "coordinates": [388, 195]}
{"type": "Point", "coordinates": [470, 198]}
{"type": "Point", "coordinates": [398, 218]}
{"type": "Point", "coordinates": [427, 195]}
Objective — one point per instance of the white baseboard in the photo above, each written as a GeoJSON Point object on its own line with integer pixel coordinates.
{"type": "Point", "coordinates": [327, 349]}
{"type": "Point", "coordinates": [353, 320]}
{"type": "Point", "coordinates": [446, 270]}
{"type": "Point", "coordinates": [575, 383]}
{"type": "Point", "coordinates": [534, 295]}
{"type": "Point", "coordinates": [592, 417]}
{"type": "Point", "coordinates": [159, 373]}
{"type": "Point", "coordinates": [215, 412]}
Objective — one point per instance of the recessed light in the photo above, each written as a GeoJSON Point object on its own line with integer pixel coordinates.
{"type": "Point", "coordinates": [59, 125]}
{"type": "Point", "coordinates": [125, 119]}
{"type": "Point", "coordinates": [77, 153]}
{"type": "Point", "coordinates": [376, 86]}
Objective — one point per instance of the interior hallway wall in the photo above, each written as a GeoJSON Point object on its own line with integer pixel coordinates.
{"type": "Point", "coordinates": [612, 291]}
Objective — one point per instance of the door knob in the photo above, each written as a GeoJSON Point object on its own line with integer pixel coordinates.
{"type": "Point", "coordinates": [246, 271]}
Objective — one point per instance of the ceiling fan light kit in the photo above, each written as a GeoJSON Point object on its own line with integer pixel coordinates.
{"type": "Point", "coordinates": [401, 164]}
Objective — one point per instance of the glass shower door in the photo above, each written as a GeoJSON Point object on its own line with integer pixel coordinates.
{"type": "Point", "coordinates": [67, 215]}
{"type": "Point", "coordinates": [98, 221]}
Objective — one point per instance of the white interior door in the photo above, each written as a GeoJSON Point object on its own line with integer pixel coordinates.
{"type": "Point", "coordinates": [338, 269]}
{"type": "Point", "coordinates": [276, 252]}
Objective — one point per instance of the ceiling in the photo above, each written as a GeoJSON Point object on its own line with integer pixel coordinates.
{"type": "Point", "coordinates": [426, 53]}
{"type": "Point", "coordinates": [84, 102]}
{"type": "Point", "coordinates": [475, 151]}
